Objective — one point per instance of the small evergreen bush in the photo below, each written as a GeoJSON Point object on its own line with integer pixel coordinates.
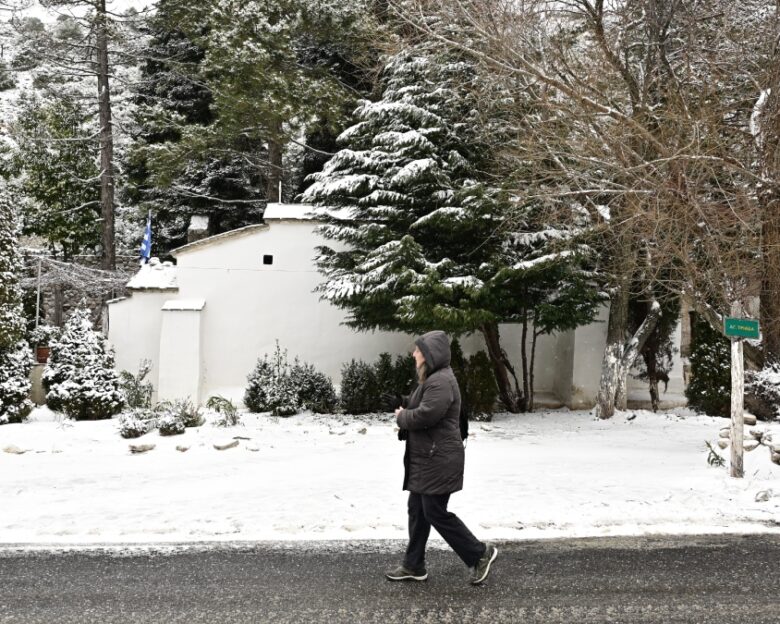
{"type": "Point", "coordinates": [181, 410]}
{"type": "Point", "coordinates": [43, 335]}
{"type": "Point", "coordinates": [169, 424]}
{"type": "Point", "coordinates": [360, 393]}
{"type": "Point", "coordinates": [271, 388]}
{"type": "Point", "coordinates": [228, 412]}
{"type": "Point", "coordinates": [7, 77]}
{"type": "Point", "coordinates": [15, 366]}
{"type": "Point", "coordinates": [79, 377]}
{"type": "Point", "coordinates": [710, 388]}
{"type": "Point", "coordinates": [315, 389]}
{"type": "Point", "coordinates": [136, 422]}
{"type": "Point", "coordinates": [363, 384]}
{"type": "Point", "coordinates": [137, 392]}
{"type": "Point", "coordinates": [15, 357]}
{"type": "Point", "coordinates": [762, 391]}
{"type": "Point", "coordinates": [477, 383]}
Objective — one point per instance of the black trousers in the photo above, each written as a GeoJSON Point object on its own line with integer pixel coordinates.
{"type": "Point", "coordinates": [428, 510]}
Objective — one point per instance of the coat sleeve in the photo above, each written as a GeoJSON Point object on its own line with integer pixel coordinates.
{"type": "Point", "coordinates": [436, 398]}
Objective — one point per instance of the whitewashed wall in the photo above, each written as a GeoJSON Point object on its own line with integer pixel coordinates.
{"type": "Point", "coordinates": [134, 331]}
{"type": "Point", "coordinates": [250, 305]}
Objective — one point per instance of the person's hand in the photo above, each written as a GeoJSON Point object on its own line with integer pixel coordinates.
{"type": "Point", "coordinates": [391, 401]}
{"type": "Point", "coordinates": [398, 411]}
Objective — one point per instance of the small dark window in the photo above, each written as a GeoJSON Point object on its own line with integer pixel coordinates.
{"type": "Point", "coordinates": [268, 259]}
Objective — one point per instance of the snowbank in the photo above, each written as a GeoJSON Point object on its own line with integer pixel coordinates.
{"type": "Point", "coordinates": [550, 474]}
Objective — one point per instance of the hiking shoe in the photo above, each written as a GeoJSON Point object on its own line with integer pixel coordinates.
{"type": "Point", "coordinates": [402, 573]}
{"type": "Point", "coordinates": [482, 569]}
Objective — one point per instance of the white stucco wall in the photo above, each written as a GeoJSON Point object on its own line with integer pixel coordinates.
{"type": "Point", "coordinates": [134, 331]}
{"type": "Point", "coordinates": [250, 305]}
{"type": "Point", "coordinates": [181, 344]}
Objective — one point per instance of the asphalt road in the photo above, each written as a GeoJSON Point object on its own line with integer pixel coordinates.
{"type": "Point", "coordinates": [626, 580]}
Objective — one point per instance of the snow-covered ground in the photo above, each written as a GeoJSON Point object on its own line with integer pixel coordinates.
{"type": "Point", "coordinates": [550, 474]}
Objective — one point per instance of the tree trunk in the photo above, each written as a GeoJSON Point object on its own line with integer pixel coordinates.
{"type": "Point", "coordinates": [275, 168]}
{"type": "Point", "coordinates": [617, 325]}
{"type": "Point", "coordinates": [524, 357]}
{"type": "Point", "coordinates": [106, 139]}
{"type": "Point", "coordinates": [652, 380]}
{"type": "Point", "coordinates": [502, 369]}
{"type": "Point", "coordinates": [531, 372]}
{"type": "Point", "coordinates": [631, 351]}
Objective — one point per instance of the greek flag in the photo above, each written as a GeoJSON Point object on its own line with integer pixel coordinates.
{"type": "Point", "coordinates": [146, 243]}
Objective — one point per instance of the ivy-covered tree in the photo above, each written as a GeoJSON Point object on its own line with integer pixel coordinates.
{"type": "Point", "coordinates": [15, 354]}
{"type": "Point", "coordinates": [79, 378]}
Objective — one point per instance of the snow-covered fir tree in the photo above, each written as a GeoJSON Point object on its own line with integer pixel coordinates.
{"type": "Point", "coordinates": [432, 241]}
{"type": "Point", "coordinates": [175, 107]}
{"type": "Point", "coordinates": [15, 355]}
{"type": "Point", "coordinates": [79, 377]}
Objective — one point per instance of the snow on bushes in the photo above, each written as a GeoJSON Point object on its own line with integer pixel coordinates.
{"type": "Point", "coordinates": [15, 357]}
{"type": "Point", "coordinates": [315, 390]}
{"type": "Point", "coordinates": [136, 422]}
{"type": "Point", "coordinates": [228, 415]}
{"type": "Point", "coordinates": [174, 416]}
{"type": "Point", "coordinates": [764, 389]}
{"type": "Point", "coordinates": [277, 387]}
{"type": "Point", "coordinates": [363, 384]}
{"type": "Point", "coordinates": [15, 366]}
{"type": "Point", "coordinates": [137, 391]}
{"type": "Point", "coordinates": [79, 378]}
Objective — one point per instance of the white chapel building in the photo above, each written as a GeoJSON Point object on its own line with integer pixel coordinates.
{"type": "Point", "coordinates": [204, 322]}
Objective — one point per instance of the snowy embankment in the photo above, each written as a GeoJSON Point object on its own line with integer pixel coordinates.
{"type": "Point", "coordinates": [551, 474]}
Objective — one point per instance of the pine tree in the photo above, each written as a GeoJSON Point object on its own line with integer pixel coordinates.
{"type": "Point", "coordinates": [171, 171]}
{"type": "Point", "coordinates": [53, 167]}
{"type": "Point", "coordinates": [433, 241]}
{"type": "Point", "coordinates": [15, 356]}
{"type": "Point", "coordinates": [80, 378]}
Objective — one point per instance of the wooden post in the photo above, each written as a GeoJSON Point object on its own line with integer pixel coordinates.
{"type": "Point", "coordinates": [737, 405]}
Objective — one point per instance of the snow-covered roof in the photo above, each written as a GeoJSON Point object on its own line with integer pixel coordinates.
{"type": "Point", "coordinates": [218, 238]}
{"type": "Point", "coordinates": [154, 275]}
{"type": "Point", "coordinates": [302, 212]}
{"type": "Point", "coordinates": [184, 304]}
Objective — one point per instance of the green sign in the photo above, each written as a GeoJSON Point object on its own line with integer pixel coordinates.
{"type": "Point", "coordinates": [741, 328]}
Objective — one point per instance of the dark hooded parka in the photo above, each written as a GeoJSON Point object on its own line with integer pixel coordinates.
{"type": "Point", "coordinates": [434, 449]}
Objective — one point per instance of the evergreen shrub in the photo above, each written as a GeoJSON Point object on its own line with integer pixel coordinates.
{"type": "Point", "coordinates": [315, 389]}
{"type": "Point", "coordinates": [710, 388]}
{"type": "Point", "coordinates": [15, 356]}
{"type": "Point", "coordinates": [15, 366]}
{"type": "Point", "coordinates": [136, 391]}
{"type": "Point", "coordinates": [280, 388]}
{"type": "Point", "coordinates": [170, 424]}
{"type": "Point", "coordinates": [228, 412]}
{"type": "Point", "coordinates": [181, 410]}
{"type": "Point", "coordinates": [363, 384]}
{"type": "Point", "coordinates": [360, 393]}
{"type": "Point", "coordinates": [477, 383]}
{"type": "Point", "coordinates": [136, 422]}
{"type": "Point", "coordinates": [762, 391]}
{"type": "Point", "coordinates": [79, 377]}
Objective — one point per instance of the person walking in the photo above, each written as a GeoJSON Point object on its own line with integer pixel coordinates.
{"type": "Point", "coordinates": [429, 420]}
